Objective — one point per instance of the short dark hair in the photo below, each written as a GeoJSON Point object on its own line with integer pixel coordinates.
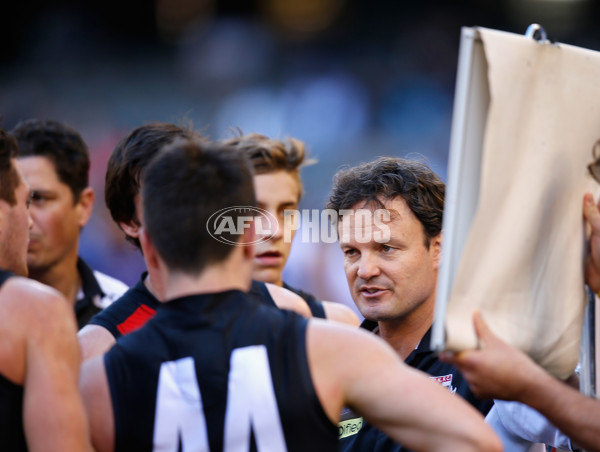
{"type": "Point", "coordinates": [59, 143]}
{"type": "Point", "coordinates": [269, 154]}
{"type": "Point", "coordinates": [127, 162]}
{"type": "Point", "coordinates": [184, 185]}
{"type": "Point", "coordinates": [387, 178]}
{"type": "Point", "coordinates": [9, 178]}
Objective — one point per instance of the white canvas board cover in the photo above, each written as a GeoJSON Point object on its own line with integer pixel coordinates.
{"type": "Point", "coordinates": [521, 264]}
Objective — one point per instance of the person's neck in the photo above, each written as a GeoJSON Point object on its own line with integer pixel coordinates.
{"type": "Point", "coordinates": [215, 278]}
{"type": "Point", "coordinates": [64, 277]}
{"type": "Point", "coordinates": [404, 334]}
{"type": "Point", "coordinates": [154, 284]}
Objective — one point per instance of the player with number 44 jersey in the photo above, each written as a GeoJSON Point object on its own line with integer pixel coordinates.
{"type": "Point", "coordinates": [216, 371]}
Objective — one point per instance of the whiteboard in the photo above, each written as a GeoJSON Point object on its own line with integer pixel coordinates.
{"type": "Point", "coordinates": [471, 104]}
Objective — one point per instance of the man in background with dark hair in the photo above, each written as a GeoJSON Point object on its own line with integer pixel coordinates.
{"type": "Point", "coordinates": [124, 171]}
{"type": "Point", "coordinates": [122, 192]}
{"type": "Point", "coordinates": [55, 161]}
{"type": "Point", "coordinates": [390, 230]}
{"type": "Point", "coordinates": [217, 370]}
{"type": "Point", "coordinates": [40, 409]}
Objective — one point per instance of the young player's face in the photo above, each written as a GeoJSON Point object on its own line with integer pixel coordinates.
{"type": "Point", "coordinates": [395, 279]}
{"type": "Point", "coordinates": [56, 218]}
{"type": "Point", "coordinates": [275, 192]}
{"type": "Point", "coordinates": [14, 235]}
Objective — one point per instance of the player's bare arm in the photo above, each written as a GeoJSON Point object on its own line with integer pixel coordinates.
{"type": "Point", "coordinates": [53, 414]}
{"type": "Point", "coordinates": [399, 400]}
{"type": "Point", "coordinates": [94, 340]}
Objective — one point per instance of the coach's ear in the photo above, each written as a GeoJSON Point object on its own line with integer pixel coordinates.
{"type": "Point", "coordinates": [435, 249]}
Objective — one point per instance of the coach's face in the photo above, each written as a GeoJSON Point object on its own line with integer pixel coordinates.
{"type": "Point", "coordinates": [15, 224]}
{"type": "Point", "coordinates": [390, 279]}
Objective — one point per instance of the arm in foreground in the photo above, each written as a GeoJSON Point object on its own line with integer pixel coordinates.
{"type": "Point", "coordinates": [53, 413]}
{"type": "Point", "coordinates": [591, 214]}
{"type": "Point", "coordinates": [500, 371]}
{"type": "Point", "coordinates": [402, 402]}
{"type": "Point", "coordinates": [98, 404]}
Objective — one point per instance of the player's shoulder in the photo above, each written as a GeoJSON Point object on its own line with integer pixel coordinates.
{"type": "Point", "coordinates": [27, 298]}
{"type": "Point", "coordinates": [286, 299]}
{"type": "Point", "coordinates": [340, 313]}
{"type": "Point", "coordinates": [343, 340]}
{"type": "Point", "coordinates": [30, 290]}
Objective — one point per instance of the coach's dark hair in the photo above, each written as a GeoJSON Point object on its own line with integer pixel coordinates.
{"type": "Point", "coordinates": [9, 178]}
{"type": "Point", "coordinates": [386, 178]}
{"type": "Point", "coordinates": [126, 164]}
{"type": "Point", "coordinates": [59, 143]}
{"type": "Point", "coordinates": [184, 185]}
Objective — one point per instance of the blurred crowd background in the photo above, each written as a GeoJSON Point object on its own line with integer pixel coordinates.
{"type": "Point", "coordinates": [354, 79]}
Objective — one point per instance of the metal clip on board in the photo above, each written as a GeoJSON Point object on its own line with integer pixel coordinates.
{"type": "Point", "coordinates": [537, 33]}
